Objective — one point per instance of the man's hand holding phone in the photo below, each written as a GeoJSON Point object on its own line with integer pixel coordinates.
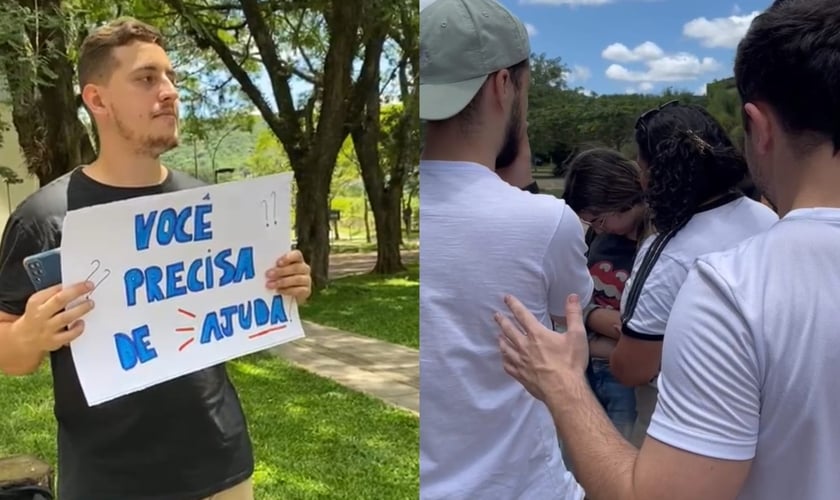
{"type": "Point", "coordinates": [45, 325]}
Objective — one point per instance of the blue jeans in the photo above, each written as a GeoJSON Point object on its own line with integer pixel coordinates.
{"type": "Point", "coordinates": [618, 400]}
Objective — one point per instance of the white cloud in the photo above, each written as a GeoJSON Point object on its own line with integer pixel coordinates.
{"type": "Point", "coordinates": [736, 10]}
{"type": "Point", "coordinates": [566, 2]}
{"type": "Point", "coordinates": [701, 90]}
{"type": "Point", "coordinates": [642, 88]}
{"type": "Point", "coordinates": [585, 92]}
{"type": "Point", "coordinates": [578, 74]}
{"type": "Point", "coordinates": [664, 68]}
{"type": "Point", "coordinates": [721, 32]}
{"type": "Point", "coordinates": [619, 52]}
{"type": "Point", "coordinates": [532, 30]}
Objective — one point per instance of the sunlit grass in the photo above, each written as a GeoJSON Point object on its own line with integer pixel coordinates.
{"type": "Point", "coordinates": [308, 441]}
{"type": "Point", "coordinates": [384, 307]}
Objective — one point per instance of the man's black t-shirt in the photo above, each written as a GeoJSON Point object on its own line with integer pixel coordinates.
{"type": "Point", "coordinates": [185, 439]}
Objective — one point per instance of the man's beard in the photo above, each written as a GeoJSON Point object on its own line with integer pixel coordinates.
{"type": "Point", "coordinates": [510, 148]}
{"type": "Point", "coordinates": [760, 178]}
{"type": "Point", "coordinates": [152, 146]}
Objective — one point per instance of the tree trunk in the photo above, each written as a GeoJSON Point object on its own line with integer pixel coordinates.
{"type": "Point", "coordinates": [367, 220]}
{"type": "Point", "coordinates": [388, 257]}
{"type": "Point", "coordinates": [385, 196]}
{"type": "Point", "coordinates": [408, 214]}
{"type": "Point", "coordinates": [312, 218]}
{"type": "Point", "coordinates": [45, 112]}
{"type": "Point", "coordinates": [385, 202]}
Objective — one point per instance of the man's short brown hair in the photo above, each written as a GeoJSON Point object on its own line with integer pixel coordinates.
{"type": "Point", "coordinates": [96, 61]}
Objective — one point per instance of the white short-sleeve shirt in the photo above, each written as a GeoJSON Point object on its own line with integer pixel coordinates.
{"type": "Point", "coordinates": [481, 434]}
{"type": "Point", "coordinates": [646, 306]}
{"type": "Point", "coordinates": [751, 360]}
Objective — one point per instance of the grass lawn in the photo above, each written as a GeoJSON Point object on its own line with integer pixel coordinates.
{"type": "Point", "coordinates": [312, 438]}
{"type": "Point", "coordinates": [384, 307]}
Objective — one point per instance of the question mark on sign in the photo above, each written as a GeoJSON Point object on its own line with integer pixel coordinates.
{"type": "Point", "coordinates": [105, 273]}
{"type": "Point", "coordinates": [274, 207]}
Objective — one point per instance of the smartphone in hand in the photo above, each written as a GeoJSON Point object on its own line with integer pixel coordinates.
{"type": "Point", "coordinates": [44, 269]}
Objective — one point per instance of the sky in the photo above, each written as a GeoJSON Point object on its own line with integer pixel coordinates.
{"type": "Point", "coordinates": [645, 46]}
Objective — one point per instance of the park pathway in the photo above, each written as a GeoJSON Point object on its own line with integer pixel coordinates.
{"type": "Point", "coordinates": [380, 369]}
{"type": "Point", "coordinates": [345, 264]}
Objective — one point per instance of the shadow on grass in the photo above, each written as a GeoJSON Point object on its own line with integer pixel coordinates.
{"type": "Point", "coordinates": [383, 307]}
{"type": "Point", "coordinates": [312, 438]}
{"type": "Point", "coordinates": [315, 439]}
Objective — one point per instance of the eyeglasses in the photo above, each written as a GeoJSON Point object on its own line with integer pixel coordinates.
{"type": "Point", "coordinates": [597, 222]}
{"type": "Point", "coordinates": [641, 122]}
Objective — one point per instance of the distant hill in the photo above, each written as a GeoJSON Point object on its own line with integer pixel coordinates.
{"type": "Point", "coordinates": [235, 150]}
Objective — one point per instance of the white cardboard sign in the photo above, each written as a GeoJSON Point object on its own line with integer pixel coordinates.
{"type": "Point", "coordinates": [180, 282]}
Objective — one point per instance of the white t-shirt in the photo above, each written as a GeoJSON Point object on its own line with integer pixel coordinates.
{"type": "Point", "coordinates": [721, 226]}
{"type": "Point", "coordinates": [751, 360]}
{"type": "Point", "coordinates": [482, 435]}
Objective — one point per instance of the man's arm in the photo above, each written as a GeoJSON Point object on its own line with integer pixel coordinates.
{"type": "Point", "coordinates": [704, 431]}
{"type": "Point", "coordinates": [18, 242]}
{"type": "Point", "coordinates": [635, 361]}
{"type": "Point", "coordinates": [15, 357]}
{"type": "Point", "coordinates": [565, 265]}
{"type": "Point", "coordinates": [602, 321]}
{"type": "Point", "coordinates": [610, 468]}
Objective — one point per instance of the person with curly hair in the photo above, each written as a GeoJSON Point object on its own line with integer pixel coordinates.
{"type": "Point", "coordinates": [692, 174]}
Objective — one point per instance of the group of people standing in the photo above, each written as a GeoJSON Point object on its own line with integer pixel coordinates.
{"type": "Point", "coordinates": [691, 287]}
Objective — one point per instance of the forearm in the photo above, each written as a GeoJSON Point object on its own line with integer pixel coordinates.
{"type": "Point", "coordinates": [15, 357]}
{"type": "Point", "coordinates": [602, 321]}
{"type": "Point", "coordinates": [603, 461]}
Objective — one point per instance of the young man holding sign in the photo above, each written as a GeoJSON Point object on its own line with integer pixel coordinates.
{"type": "Point", "coordinates": [185, 439]}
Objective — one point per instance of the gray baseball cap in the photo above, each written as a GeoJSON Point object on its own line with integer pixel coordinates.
{"type": "Point", "coordinates": [461, 43]}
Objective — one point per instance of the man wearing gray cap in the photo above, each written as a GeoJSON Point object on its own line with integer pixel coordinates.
{"type": "Point", "coordinates": [482, 435]}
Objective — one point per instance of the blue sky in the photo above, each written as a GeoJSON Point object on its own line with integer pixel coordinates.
{"type": "Point", "coordinates": [618, 46]}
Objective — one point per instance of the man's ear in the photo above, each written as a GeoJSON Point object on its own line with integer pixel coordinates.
{"type": "Point", "coordinates": [93, 99]}
{"type": "Point", "coordinates": [761, 126]}
{"type": "Point", "coordinates": [500, 87]}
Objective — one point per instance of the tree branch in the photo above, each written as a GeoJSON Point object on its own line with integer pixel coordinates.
{"type": "Point", "coordinates": [211, 39]}
{"type": "Point", "coordinates": [278, 72]}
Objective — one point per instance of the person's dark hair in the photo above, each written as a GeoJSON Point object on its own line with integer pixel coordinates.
{"type": "Point", "coordinates": [96, 61]}
{"type": "Point", "coordinates": [602, 180]}
{"type": "Point", "coordinates": [790, 59]}
{"type": "Point", "coordinates": [690, 160]}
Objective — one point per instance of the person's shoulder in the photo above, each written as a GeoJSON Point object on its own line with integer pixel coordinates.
{"type": "Point", "coordinates": [555, 213]}
{"type": "Point", "coordinates": [731, 266]}
{"type": "Point", "coordinates": [762, 212]}
{"type": "Point", "coordinates": [48, 201]}
{"type": "Point", "coordinates": [543, 202]}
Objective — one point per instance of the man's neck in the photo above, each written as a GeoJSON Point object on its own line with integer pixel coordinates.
{"type": "Point", "coordinates": [449, 143]}
{"type": "Point", "coordinates": [121, 169]}
{"type": "Point", "coordinates": [809, 183]}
